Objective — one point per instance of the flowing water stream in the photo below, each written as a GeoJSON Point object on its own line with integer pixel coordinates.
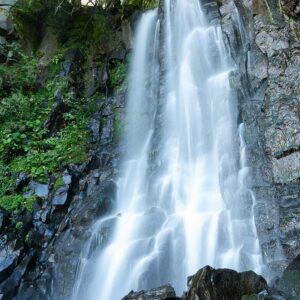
{"type": "Point", "coordinates": [183, 195]}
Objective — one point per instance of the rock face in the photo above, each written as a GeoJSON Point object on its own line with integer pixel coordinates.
{"type": "Point", "coordinates": [40, 250]}
{"type": "Point", "coordinates": [290, 281]}
{"type": "Point", "coordinates": [212, 284]}
{"type": "Point", "coordinates": [264, 40]}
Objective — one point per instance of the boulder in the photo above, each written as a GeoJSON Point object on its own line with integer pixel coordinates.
{"type": "Point", "coordinates": [21, 182]}
{"type": "Point", "coordinates": [10, 286]}
{"type": "Point", "coordinates": [61, 197]}
{"type": "Point", "coordinates": [5, 24]}
{"type": "Point", "coordinates": [226, 284]}
{"type": "Point", "coordinates": [290, 280]}
{"type": "Point", "coordinates": [8, 261]}
{"type": "Point", "coordinates": [41, 190]}
{"type": "Point", "coordinates": [165, 292]}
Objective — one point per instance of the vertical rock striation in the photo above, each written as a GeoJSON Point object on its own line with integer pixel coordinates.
{"type": "Point", "coordinates": [263, 36]}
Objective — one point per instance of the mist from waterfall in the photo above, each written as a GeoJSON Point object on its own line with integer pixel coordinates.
{"type": "Point", "coordinates": [183, 195]}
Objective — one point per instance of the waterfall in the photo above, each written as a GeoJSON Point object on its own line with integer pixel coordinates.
{"type": "Point", "coordinates": [184, 200]}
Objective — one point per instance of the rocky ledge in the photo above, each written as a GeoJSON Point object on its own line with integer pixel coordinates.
{"type": "Point", "coordinates": [215, 284]}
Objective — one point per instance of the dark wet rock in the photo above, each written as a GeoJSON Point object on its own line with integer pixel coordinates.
{"type": "Point", "coordinates": [44, 283]}
{"type": "Point", "coordinates": [28, 292]}
{"type": "Point", "coordinates": [110, 191]}
{"type": "Point", "coordinates": [102, 235]}
{"type": "Point", "coordinates": [290, 280]}
{"type": "Point", "coordinates": [94, 162]}
{"type": "Point", "coordinates": [61, 197]}
{"type": "Point", "coordinates": [56, 117]}
{"type": "Point", "coordinates": [215, 284]}
{"type": "Point", "coordinates": [211, 9]}
{"type": "Point", "coordinates": [45, 215]}
{"type": "Point", "coordinates": [289, 213]}
{"type": "Point", "coordinates": [107, 134]}
{"type": "Point", "coordinates": [3, 218]}
{"type": "Point", "coordinates": [25, 218]}
{"type": "Point", "coordinates": [8, 261]}
{"type": "Point", "coordinates": [265, 48]}
{"type": "Point", "coordinates": [76, 228]}
{"type": "Point", "coordinates": [97, 79]}
{"type": "Point", "coordinates": [21, 182]}
{"type": "Point", "coordinates": [165, 292]}
{"type": "Point", "coordinates": [119, 54]}
{"type": "Point", "coordinates": [94, 128]}
{"type": "Point", "coordinates": [72, 60]}
{"type": "Point", "coordinates": [10, 286]}
{"type": "Point", "coordinates": [39, 189]}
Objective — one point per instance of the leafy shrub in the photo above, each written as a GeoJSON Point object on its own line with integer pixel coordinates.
{"type": "Point", "coordinates": [15, 201]}
{"type": "Point", "coordinates": [118, 74]}
{"type": "Point", "coordinates": [25, 145]}
{"type": "Point", "coordinates": [19, 72]}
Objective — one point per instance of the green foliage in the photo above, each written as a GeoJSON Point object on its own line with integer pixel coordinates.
{"type": "Point", "coordinates": [19, 71]}
{"type": "Point", "coordinates": [27, 14]}
{"type": "Point", "coordinates": [142, 3]}
{"type": "Point", "coordinates": [15, 201]}
{"type": "Point", "coordinates": [118, 74]}
{"type": "Point", "coordinates": [50, 154]}
{"type": "Point", "coordinates": [25, 145]}
{"type": "Point", "coordinates": [58, 183]}
{"type": "Point", "coordinates": [68, 20]}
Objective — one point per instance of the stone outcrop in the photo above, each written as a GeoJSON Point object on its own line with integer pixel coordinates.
{"type": "Point", "coordinates": [264, 41]}
{"type": "Point", "coordinates": [212, 284]}
{"type": "Point", "coordinates": [289, 282]}
{"type": "Point", "coordinates": [215, 284]}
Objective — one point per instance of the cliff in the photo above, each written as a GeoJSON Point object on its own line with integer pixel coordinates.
{"type": "Point", "coordinates": [63, 89]}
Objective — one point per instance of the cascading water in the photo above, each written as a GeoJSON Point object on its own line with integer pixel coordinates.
{"type": "Point", "coordinates": [183, 198]}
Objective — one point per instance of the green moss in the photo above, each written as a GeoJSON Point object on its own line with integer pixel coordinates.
{"type": "Point", "coordinates": [19, 225]}
{"type": "Point", "coordinates": [118, 72]}
{"type": "Point", "coordinates": [58, 183]}
{"type": "Point", "coordinates": [19, 71]}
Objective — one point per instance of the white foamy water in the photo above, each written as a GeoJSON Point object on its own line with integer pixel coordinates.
{"type": "Point", "coordinates": [183, 195]}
